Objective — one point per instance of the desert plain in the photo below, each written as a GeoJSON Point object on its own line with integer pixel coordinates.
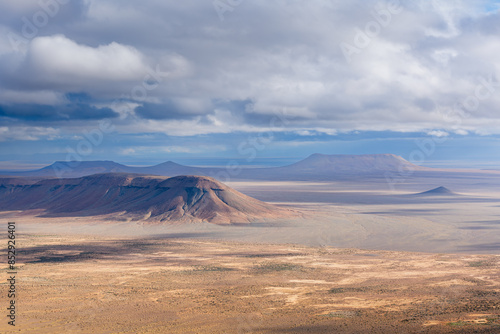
{"type": "Point", "coordinates": [357, 257]}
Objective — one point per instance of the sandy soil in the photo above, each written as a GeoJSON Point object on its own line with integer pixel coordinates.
{"type": "Point", "coordinates": [91, 284]}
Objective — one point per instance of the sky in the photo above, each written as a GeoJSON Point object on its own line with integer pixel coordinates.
{"type": "Point", "coordinates": [255, 81]}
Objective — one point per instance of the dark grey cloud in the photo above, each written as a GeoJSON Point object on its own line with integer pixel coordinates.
{"type": "Point", "coordinates": [34, 16]}
{"type": "Point", "coordinates": [164, 111]}
{"type": "Point", "coordinates": [45, 113]}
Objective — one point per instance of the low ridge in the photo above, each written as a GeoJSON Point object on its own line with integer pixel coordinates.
{"type": "Point", "coordinates": [80, 168]}
{"type": "Point", "coordinates": [439, 191]}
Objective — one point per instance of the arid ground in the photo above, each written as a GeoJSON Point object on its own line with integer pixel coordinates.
{"type": "Point", "coordinates": [90, 284]}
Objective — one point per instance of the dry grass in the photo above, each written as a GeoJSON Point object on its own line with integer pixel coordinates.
{"type": "Point", "coordinates": [96, 285]}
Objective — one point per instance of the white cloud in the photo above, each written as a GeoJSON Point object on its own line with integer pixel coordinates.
{"type": "Point", "coordinates": [61, 59]}
{"type": "Point", "coordinates": [25, 133]}
{"type": "Point", "coordinates": [305, 133]}
{"type": "Point", "coordinates": [438, 133]}
{"type": "Point", "coordinates": [128, 151]}
{"type": "Point", "coordinates": [461, 132]}
{"type": "Point", "coordinates": [444, 56]}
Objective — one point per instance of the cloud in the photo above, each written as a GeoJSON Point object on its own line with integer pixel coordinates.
{"type": "Point", "coordinates": [60, 59]}
{"type": "Point", "coordinates": [461, 132]}
{"type": "Point", "coordinates": [24, 133]}
{"type": "Point", "coordinates": [109, 71]}
{"type": "Point", "coordinates": [267, 59]}
{"type": "Point", "coordinates": [438, 133]}
{"type": "Point", "coordinates": [45, 97]}
{"type": "Point", "coordinates": [68, 112]}
{"type": "Point", "coordinates": [188, 149]}
{"type": "Point", "coordinates": [174, 109]}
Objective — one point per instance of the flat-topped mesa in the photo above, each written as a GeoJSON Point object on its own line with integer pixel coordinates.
{"type": "Point", "coordinates": [353, 163]}
{"type": "Point", "coordinates": [157, 199]}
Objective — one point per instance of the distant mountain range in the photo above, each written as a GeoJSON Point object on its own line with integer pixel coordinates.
{"type": "Point", "coordinates": [137, 197]}
{"type": "Point", "coordinates": [316, 166]}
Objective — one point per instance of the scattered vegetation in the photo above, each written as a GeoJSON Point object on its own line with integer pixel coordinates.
{"type": "Point", "coordinates": [482, 293]}
{"type": "Point", "coordinates": [344, 290]}
{"type": "Point", "coordinates": [473, 280]}
{"type": "Point", "coordinates": [459, 323]}
{"type": "Point", "coordinates": [272, 255]}
{"type": "Point", "coordinates": [272, 266]}
{"type": "Point", "coordinates": [480, 264]}
{"type": "Point", "coordinates": [327, 251]}
{"type": "Point", "coordinates": [341, 314]}
{"type": "Point", "coordinates": [211, 268]}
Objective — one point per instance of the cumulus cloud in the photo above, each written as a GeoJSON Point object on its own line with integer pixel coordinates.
{"type": "Point", "coordinates": [107, 71]}
{"type": "Point", "coordinates": [59, 58]}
